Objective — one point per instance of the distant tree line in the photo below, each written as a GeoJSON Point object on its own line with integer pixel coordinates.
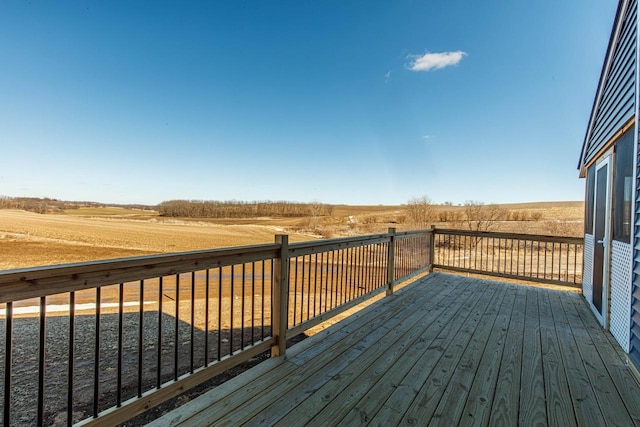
{"type": "Point", "coordinates": [32, 204]}
{"type": "Point", "coordinates": [47, 205]}
{"type": "Point", "coordinates": [240, 209]}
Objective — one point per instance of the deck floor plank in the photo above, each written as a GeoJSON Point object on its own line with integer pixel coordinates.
{"type": "Point", "coordinates": [354, 339]}
{"type": "Point", "coordinates": [406, 388]}
{"type": "Point", "coordinates": [606, 393]}
{"type": "Point", "coordinates": [583, 397]}
{"type": "Point", "coordinates": [477, 408]}
{"type": "Point", "coordinates": [533, 409]}
{"type": "Point", "coordinates": [445, 350]}
{"type": "Point", "coordinates": [361, 399]}
{"type": "Point", "coordinates": [452, 403]}
{"type": "Point", "coordinates": [504, 410]}
{"type": "Point", "coordinates": [317, 402]}
{"type": "Point", "coordinates": [403, 385]}
{"type": "Point", "coordinates": [430, 394]}
{"type": "Point", "coordinates": [319, 383]}
{"type": "Point", "coordinates": [558, 397]}
{"type": "Point", "coordinates": [616, 361]}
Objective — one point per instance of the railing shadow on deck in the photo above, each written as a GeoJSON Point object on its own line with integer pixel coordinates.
{"type": "Point", "coordinates": [102, 335]}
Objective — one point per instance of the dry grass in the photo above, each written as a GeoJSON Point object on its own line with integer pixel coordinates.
{"type": "Point", "coordinates": [29, 239]}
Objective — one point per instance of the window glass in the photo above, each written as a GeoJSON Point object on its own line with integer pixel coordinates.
{"type": "Point", "coordinates": [623, 188]}
{"type": "Point", "coordinates": [588, 206]}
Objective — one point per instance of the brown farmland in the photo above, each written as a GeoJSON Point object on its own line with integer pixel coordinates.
{"type": "Point", "coordinates": [235, 303]}
{"type": "Point", "coordinates": [29, 239]}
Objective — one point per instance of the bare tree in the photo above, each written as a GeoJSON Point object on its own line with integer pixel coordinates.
{"type": "Point", "coordinates": [317, 209]}
{"type": "Point", "coordinates": [240, 209]}
{"type": "Point", "coordinates": [420, 211]}
{"type": "Point", "coordinates": [481, 217]}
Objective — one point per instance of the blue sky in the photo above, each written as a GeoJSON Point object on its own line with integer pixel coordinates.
{"type": "Point", "coordinates": [356, 102]}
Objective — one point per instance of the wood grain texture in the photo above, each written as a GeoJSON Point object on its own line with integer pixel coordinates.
{"type": "Point", "coordinates": [435, 386]}
{"type": "Point", "coordinates": [478, 404]}
{"type": "Point", "coordinates": [445, 350]}
{"type": "Point", "coordinates": [616, 362]}
{"type": "Point", "coordinates": [361, 399]}
{"type": "Point", "coordinates": [504, 410]}
{"type": "Point", "coordinates": [449, 410]}
{"type": "Point", "coordinates": [558, 397]}
{"type": "Point", "coordinates": [605, 391]}
{"type": "Point", "coordinates": [532, 398]}
{"type": "Point", "coordinates": [585, 406]}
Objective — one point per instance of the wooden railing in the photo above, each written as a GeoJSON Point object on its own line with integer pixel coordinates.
{"type": "Point", "coordinates": [99, 342]}
{"type": "Point", "coordinates": [547, 259]}
{"type": "Point", "coordinates": [104, 341]}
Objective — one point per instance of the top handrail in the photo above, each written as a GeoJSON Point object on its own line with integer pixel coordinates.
{"type": "Point", "coordinates": [413, 232]}
{"type": "Point", "coordinates": [34, 282]}
{"type": "Point", "coordinates": [503, 235]}
{"type": "Point", "coordinates": [315, 246]}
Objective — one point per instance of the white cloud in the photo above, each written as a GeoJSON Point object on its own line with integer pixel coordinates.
{"type": "Point", "coordinates": [387, 76]}
{"type": "Point", "coordinates": [435, 61]}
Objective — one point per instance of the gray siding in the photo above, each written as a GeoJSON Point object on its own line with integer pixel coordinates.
{"type": "Point", "coordinates": [616, 104]}
{"type": "Point", "coordinates": [634, 338]}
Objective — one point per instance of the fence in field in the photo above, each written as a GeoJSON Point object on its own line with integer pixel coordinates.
{"type": "Point", "coordinates": [97, 343]}
{"type": "Point", "coordinates": [548, 259]}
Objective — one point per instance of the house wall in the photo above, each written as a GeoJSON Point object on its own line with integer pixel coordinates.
{"type": "Point", "coordinates": [616, 104]}
{"type": "Point", "coordinates": [634, 336]}
{"type": "Point", "coordinates": [634, 324]}
{"type": "Point", "coordinates": [614, 107]}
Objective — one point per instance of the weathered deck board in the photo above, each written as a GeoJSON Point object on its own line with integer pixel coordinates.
{"type": "Point", "coordinates": [451, 405]}
{"type": "Point", "coordinates": [605, 391]}
{"type": "Point", "coordinates": [615, 361]}
{"type": "Point", "coordinates": [533, 409]}
{"type": "Point", "coordinates": [347, 393]}
{"type": "Point", "coordinates": [323, 384]}
{"type": "Point", "coordinates": [559, 406]}
{"type": "Point", "coordinates": [413, 341]}
{"type": "Point", "coordinates": [445, 350]}
{"type": "Point", "coordinates": [504, 410]}
{"type": "Point", "coordinates": [405, 388]}
{"type": "Point", "coordinates": [585, 406]}
{"type": "Point", "coordinates": [478, 403]}
{"type": "Point", "coordinates": [433, 388]}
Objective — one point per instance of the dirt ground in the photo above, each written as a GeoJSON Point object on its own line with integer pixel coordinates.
{"type": "Point", "coordinates": [29, 239]}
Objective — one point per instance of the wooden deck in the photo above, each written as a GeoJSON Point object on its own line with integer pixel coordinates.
{"type": "Point", "coordinates": [446, 350]}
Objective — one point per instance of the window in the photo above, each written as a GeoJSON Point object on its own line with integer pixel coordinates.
{"type": "Point", "coordinates": [623, 188]}
{"type": "Point", "coordinates": [588, 214]}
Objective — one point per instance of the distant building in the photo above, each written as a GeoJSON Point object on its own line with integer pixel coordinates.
{"type": "Point", "coordinates": [608, 161]}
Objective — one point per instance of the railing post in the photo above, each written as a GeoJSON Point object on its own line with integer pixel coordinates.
{"type": "Point", "coordinates": [432, 247]}
{"type": "Point", "coordinates": [391, 260]}
{"type": "Point", "coordinates": [280, 297]}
